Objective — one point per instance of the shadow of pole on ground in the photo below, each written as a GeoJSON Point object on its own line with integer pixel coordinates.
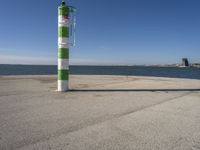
{"type": "Point", "coordinates": [133, 90]}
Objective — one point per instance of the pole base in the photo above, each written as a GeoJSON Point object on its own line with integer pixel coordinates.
{"type": "Point", "coordinates": [63, 86]}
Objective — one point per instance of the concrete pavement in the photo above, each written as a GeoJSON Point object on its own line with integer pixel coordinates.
{"type": "Point", "coordinates": [34, 116]}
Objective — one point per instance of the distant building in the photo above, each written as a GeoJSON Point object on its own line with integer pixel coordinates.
{"type": "Point", "coordinates": [185, 62]}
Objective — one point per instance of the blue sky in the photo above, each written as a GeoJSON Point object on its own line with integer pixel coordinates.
{"type": "Point", "coordinates": [130, 32]}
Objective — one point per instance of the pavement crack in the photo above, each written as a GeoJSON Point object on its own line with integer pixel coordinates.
{"type": "Point", "coordinates": [90, 123]}
{"type": "Point", "coordinates": [152, 105]}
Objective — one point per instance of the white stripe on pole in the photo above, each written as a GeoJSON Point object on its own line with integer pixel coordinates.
{"type": "Point", "coordinates": [62, 40]}
{"type": "Point", "coordinates": [63, 84]}
{"type": "Point", "coordinates": [63, 46]}
{"type": "Point", "coordinates": [63, 64]}
{"type": "Point", "coordinates": [63, 25]}
{"type": "Point", "coordinates": [62, 19]}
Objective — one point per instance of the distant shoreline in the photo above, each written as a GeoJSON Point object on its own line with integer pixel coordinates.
{"type": "Point", "coordinates": [159, 65]}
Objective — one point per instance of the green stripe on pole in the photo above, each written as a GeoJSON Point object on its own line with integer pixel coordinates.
{"type": "Point", "coordinates": [63, 11]}
{"type": "Point", "coordinates": [63, 32]}
{"type": "Point", "coordinates": [63, 53]}
{"type": "Point", "coordinates": [63, 74]}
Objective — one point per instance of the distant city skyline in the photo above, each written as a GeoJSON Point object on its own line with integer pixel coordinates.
{"type": "Point", "coordinates": [109, 32]}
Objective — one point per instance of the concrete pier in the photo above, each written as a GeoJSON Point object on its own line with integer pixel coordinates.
{"type": "Point", "coordinates": [101, 112]}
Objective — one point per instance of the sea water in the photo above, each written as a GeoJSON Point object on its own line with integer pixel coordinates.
{"type": "Point", "coordinates": [173, 72]}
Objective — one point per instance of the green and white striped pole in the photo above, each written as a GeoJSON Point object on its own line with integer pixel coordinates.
{"type": "Point", "coordinates": [63, 47]}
